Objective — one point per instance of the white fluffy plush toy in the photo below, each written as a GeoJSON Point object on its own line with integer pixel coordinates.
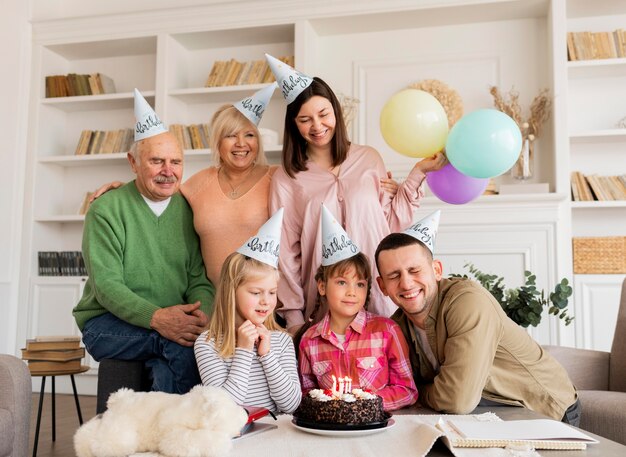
{"type": "Point", "coordinates": [200, 423]}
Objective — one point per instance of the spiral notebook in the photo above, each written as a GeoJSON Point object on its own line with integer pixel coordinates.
{"type": "Point", "coordinates": [539, 433]}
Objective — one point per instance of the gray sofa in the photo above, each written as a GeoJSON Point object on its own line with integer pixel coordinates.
{"type": "Point", "coordinates": [15, 399]}
{"type": "Point", "coordinates": [600, 378]}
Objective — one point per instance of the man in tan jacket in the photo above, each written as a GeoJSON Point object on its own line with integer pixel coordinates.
{"type": "Point", "coordinates": [463, 348]}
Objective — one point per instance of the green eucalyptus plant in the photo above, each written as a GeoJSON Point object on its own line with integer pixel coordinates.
{"type": "Point", "coordinates": [525, 304]}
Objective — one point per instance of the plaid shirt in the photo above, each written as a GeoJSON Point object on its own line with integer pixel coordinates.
{"type": "Point", "coordinates": [374, 355]}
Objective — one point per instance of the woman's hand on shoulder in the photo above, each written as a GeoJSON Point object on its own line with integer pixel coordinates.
{"type": "Point", "coordinates": [389, 184]}
{"type": "Point", "coordinates": [105, 188]}
{"type": "Point", "coordinates": [432, 163]}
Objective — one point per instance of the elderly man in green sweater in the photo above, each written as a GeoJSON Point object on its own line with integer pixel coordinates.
{"type": "Point", "coordinates": [464, 349]}
{"type": "Point", "coordinates": [147, 297]}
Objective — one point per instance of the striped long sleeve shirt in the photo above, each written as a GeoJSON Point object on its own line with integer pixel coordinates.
{"type": "Point", "coordinates": [270, 381]}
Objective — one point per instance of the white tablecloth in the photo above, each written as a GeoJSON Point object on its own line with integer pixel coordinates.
{"type": "Point", "coordinates": [408, 437]}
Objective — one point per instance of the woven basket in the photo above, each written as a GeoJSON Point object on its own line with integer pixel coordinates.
{"type": "Point", "coordinates": [604, 255]}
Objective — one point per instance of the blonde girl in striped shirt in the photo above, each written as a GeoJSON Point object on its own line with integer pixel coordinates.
{"type": "Point", "coordinates": [244, 350]}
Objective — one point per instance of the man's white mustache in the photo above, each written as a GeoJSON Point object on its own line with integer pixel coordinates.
{"type": "Point", "coordinates": [165, 179]}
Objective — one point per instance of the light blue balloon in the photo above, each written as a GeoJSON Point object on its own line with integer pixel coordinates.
{"type": "Point", "coordinates": [484, 143]}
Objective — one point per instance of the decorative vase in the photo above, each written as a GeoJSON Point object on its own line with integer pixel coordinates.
{"type": "Point", "coordinates": [523, 168]}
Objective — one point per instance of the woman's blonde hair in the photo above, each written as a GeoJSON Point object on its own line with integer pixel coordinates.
{"type": "Point", "coordinates": [226, 121]}
{"type": "Point", "coordinates": [237, 270]}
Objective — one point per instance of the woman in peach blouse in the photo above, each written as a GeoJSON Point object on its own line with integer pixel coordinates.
{"type": "Point", "coordinates": [230, 200]}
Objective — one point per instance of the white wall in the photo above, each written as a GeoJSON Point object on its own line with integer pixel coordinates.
{"type": "Point", "coordinates": [14, 82]}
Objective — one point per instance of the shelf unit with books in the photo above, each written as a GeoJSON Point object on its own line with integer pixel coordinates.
{"type": "Point", "coordinates": [357, 47]}
{"type": "Point", "coordinates": [191, 57]}
{"type": "Point", "coordinates": [596, 99]}
{"type": "Point", "coordinates": [58, 179]}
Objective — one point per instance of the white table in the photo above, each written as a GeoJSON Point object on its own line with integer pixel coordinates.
{"type": "Point", "coordinates": [286, 440]}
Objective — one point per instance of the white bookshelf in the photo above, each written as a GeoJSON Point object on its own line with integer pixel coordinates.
{"type": "Point", "coordinates": [596, 100]}
{"type": "Point", "coordinates": [367, 50]}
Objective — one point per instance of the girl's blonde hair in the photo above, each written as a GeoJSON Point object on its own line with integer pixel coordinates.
{"type": "Point", "coordinates": [360, 263]}
{"type": "Point", "coordinates": [237, 270]}
{"type": "Point", "coordinates": [226, 121]}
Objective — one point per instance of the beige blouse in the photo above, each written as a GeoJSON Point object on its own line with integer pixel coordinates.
{"type": "Point", "coordinates": [222, 224]}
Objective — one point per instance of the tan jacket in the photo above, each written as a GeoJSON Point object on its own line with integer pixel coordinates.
{"type": "Point", "coordinates": [482, 353]}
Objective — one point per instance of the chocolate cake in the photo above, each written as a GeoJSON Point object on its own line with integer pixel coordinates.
{"type": "Point", "coordinates": [356, 408]}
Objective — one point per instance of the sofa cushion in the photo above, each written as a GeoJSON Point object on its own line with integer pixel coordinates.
{"type": "Point", "coordinates": [604, 413]}
{"type": "Point", "coordinates": [7, 428]}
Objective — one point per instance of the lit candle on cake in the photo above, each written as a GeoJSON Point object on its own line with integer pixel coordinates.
{"type": "Point", "coordinates": [341, 386]}
{"type": "Point", "coordinates": [348, 384]}
{"type": "Point", "coordinates": [334, 389]}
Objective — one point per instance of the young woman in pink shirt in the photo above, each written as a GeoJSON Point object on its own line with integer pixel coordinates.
{"type": "Point", "coordinates": [321, 165]}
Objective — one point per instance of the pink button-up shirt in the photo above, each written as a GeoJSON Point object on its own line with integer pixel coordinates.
{"type": "Point", "coordinates": [374, 356]}
{"type": "Point", "coordinates": [358, 202]}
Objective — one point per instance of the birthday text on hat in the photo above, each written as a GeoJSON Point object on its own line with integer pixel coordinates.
{"type": "Point", "coordinates": [424, 231]}
{"type": "Point", "coordinates": [336, 246]}
{"type": "Point", "coordinates": [150, 122]}
{"type": "Point", "coordinates": [288, 86]}
{"type": "Point", "coordinates": [267, 246]}
{"type": "Point", "coordinates": [255, 108]}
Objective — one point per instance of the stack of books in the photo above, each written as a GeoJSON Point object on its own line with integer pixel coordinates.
{"type": "Point", "coordinates": [596, 45]}
{"type": "Point", "coordinates": [234, 73]}
{"type": "Point", "coordinates": [104, 142]}
{"type": "Point", "coordinates": [61, 263]}
{"type": "Point", "coordinates": [194, 136]}
{"type": "Point", "coordinates": [72, 84]}
{"type": "Point", "coordinates": [599, 188]}
{"type": "Point", "coordinates": [53, 354]}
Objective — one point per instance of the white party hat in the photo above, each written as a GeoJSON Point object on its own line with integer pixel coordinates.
{"type": "Point", "coordinates": [336, 244]}
{"type": "Point", "coordinates": [265, 245]}
{"type": "Point", "coordinates": [254, 106]}
{"type": "Point", "coordinates": [290, 81]}
{"type": "Point", "coordinates": [425, 230]}
{"type": "Point", "coordinates": [148, 123]}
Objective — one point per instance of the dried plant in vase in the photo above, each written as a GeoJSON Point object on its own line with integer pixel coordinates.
{"type": "Point", "coordinates": [531, 127]}
{"type": "Point", "coordinates": [448, 97]}
{"type": "Point", "coordinates": [348, 107]}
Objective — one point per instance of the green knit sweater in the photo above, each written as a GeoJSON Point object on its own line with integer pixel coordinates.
{"type": "Point", "coordinates": [138, 262]}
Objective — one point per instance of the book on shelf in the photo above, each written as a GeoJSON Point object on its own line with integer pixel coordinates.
{"type": "Point", "coordinates": [539, 433]}
{"type": "Point", "coordinates": [108, 142]}
{"type": "Point", "coordinates": [61, 263]}
{"type": "Point", "coordinates": [244, 73]}
{"type": "Point", "coordinates": [93, 142]}
{"type": "Point", "coordinates": [257, 71]}
{"type": "Point", "coordinates": [56, 355]}
{"type": "Point", "coordinates": [223, 71]}
{"type": "Point", "coordinates": [104, 84]}
{"type": "Point", "coordinates": [196, 137]}
{"type": "Point", "coordinates": [597, 188]}
{"type": "Point", "coordinates": [596, 45]}
{"type": "Point", "coordinates": [45, 366]}
{"type": "Point", "coordinates": [233, 73]}
{"type": "Point", "coordinates": [82, 147]}
{"type": "Point", "coordinates": [74, 84]}
{"type": "Point", "coordinates": [53, 343]}
{"type": "Point", "coordinates": [193, 136]}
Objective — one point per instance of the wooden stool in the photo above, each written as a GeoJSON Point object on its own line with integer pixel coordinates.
{"type": "Point", "coordinates": [53, 375]}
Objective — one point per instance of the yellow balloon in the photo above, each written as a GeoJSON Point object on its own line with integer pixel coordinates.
{"type": "Point", "coordinates": [414, 123]}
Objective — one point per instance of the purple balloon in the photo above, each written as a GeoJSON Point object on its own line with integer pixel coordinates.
{"type": "Point", "coordinates": [452, 186]}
